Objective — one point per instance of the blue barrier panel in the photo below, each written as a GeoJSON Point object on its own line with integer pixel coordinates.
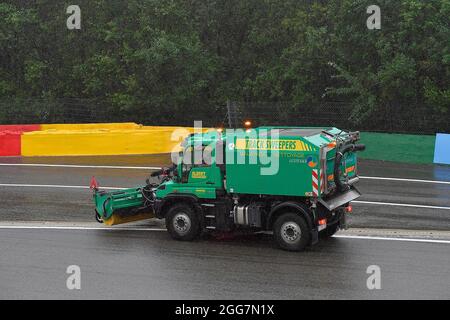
{"type": "Point", "coordinates": [442, 148]}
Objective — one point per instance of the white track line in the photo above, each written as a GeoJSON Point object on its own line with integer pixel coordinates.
{"type": "Point", "coordinates": [80, 228]}
{"type": "Point", "coordinates": [391, 239]}
{"type": "Point", "coordinates": [160, 229]}
{"type": "Point", "coordinates": [157, 168]}
{"type": "Point", "coordinates": [74, 166]}
{"type": "Point", "coordinates": [52, 186]}
{"type": "Point", "coordinates": [405, 180]}
{"type": "Point", "coordinates": [400, 204]}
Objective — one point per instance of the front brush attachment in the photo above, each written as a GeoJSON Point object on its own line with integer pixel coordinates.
{"type": "Point", "coordinates": [123, 206]}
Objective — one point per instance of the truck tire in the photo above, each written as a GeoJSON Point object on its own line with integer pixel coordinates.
{"type": "Point", "coordinates": [182, 222]}
{"type": "Point", "coordinates": [291, 232]}
{"type": "Point", "coordinates": [329, 232]}
{"type": "Point", "coordinates": [98, 217]}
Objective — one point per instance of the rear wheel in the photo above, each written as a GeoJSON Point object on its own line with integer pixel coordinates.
{"type": "Point", "coordinates": [291, 232]}
{"type": "Point", "coordinates": [182, 222]}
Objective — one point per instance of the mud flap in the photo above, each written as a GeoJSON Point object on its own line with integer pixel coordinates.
{"type": "Point", "coordinates": [343, 222]}
{"type": "Point", "coordinates": [341, 198]}
{"type": "Point", "coordinates": [314, 237]}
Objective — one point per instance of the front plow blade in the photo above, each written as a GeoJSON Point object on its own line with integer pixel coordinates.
{"type": "Point", "coordinates": [122, 206]}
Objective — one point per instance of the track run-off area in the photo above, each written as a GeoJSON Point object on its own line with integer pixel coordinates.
{"type": "Point", "coordinates": [401, 223]}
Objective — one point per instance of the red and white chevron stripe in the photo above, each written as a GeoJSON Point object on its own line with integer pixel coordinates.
{"type": "Point", "coordinates": [315, 184]}
{"type": "Point", "coordinates": [322, 182]}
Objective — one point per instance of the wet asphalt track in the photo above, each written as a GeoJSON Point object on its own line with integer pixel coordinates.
{"type": "Point", "coordinates": [148, 264]}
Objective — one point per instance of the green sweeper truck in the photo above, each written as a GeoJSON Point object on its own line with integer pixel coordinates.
{"type": "Point", "coordinates": [297, 182]}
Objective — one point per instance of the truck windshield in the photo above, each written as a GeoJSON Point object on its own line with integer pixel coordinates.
{"type": "Point", "coordinates": [199, 156]}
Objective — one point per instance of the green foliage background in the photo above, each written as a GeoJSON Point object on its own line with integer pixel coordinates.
{"type": "Point", "coordinates": [172, 61]}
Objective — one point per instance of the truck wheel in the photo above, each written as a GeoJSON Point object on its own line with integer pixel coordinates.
{"type": "Point", "coordinates": [329, 232]}
{"type": "Point", "coordinates": [291, 232]}
{"type": "Point", "coordinates": [98, 217]}
{"type": "Point", "coordinates": [182, 222]}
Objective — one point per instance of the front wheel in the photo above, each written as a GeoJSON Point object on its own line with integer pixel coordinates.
{"type": "Point", "coordinates": [182, 222]}
{"type": "Point", "coordinates": [291, 232]}
{"type": "Point", "coordinates": [98, 217]}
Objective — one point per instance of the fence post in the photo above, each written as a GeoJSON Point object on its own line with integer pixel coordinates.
{"type": "Point", "coordinates": [231, 111]}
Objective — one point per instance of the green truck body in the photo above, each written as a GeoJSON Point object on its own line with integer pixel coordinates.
{"type": "Point", "coordinates": [297, 182]}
